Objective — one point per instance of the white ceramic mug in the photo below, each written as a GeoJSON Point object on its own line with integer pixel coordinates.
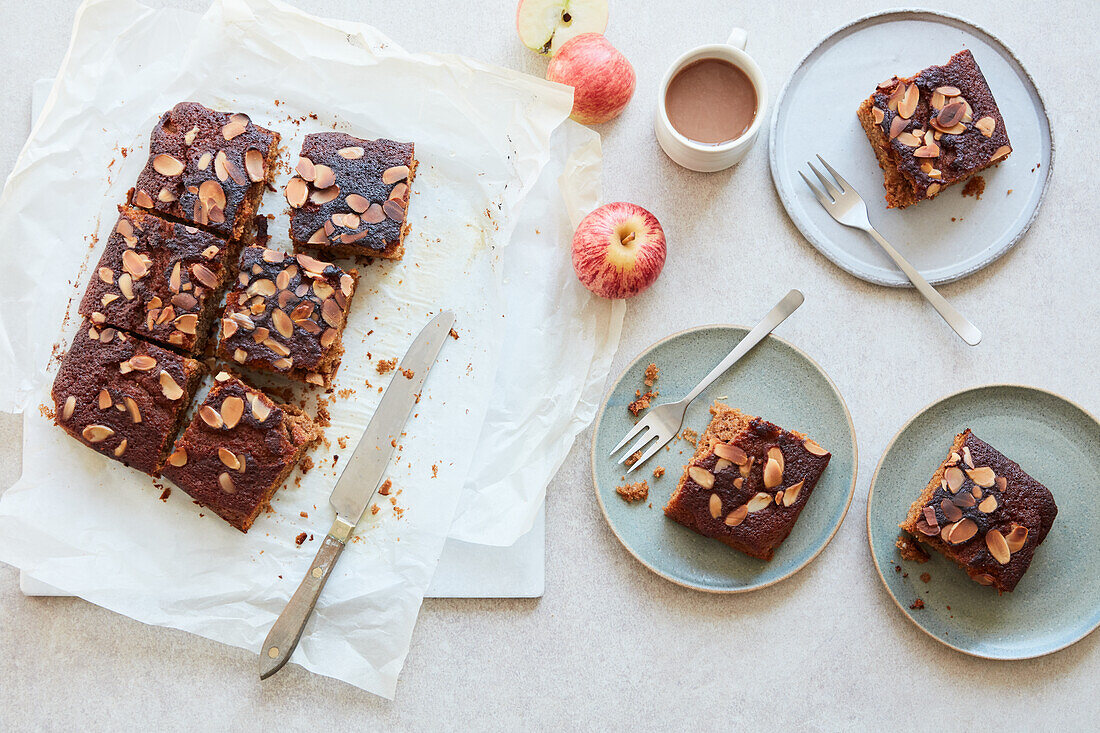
{"type": "Point", "coordinates": [700, 156]}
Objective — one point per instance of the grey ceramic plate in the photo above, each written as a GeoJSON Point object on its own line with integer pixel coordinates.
{"type": "Point", "coordinates": [775, 381]}
{"type": "Point", "coordinates": [951, 236]}
{"type": "Point", "coordinates": [1058, 601]}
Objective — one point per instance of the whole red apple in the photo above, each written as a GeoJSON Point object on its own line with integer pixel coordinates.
{"type": "Point", "coordinates": [618, 250]}
{"type": "Point", "coordinates": [601, 77]}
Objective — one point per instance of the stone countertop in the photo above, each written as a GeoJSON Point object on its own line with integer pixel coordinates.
{"type": "Point", "coordinates": [611, 644]}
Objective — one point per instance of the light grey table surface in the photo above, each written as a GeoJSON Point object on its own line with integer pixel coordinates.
{"type": "Point", "coordinates": [611, 645]}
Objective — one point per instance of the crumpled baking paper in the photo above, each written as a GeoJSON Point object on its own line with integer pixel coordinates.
{"type": "Point", "coordinates": [483, 136]}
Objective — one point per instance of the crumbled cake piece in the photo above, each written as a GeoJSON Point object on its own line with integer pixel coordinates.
{"type": "Point", "coordinates": [633, 458]}
{"type": "Point", "coordinates": [385, 366]}
{"type": "Point", "coordinates": [981, 510]}
{"type": "Point", "coordinates": [209, 169]}
{"type": "Point", "coordinates": [122, 396]}
{"type": "Point", "coordinates": [934, 129]}
{"type": "Point", "coordinates": [659, 472]}
{"type": "Point", "coordinates": [910, 549]}
{"type": "Point", "coordinates": [238, 450]}
{"type": "Point", "coordinates": [917, 605]}
{"type": "Point", "coordinates": [975, 187]}
{"type": "Point", "coordinates": [651, 374]}
{"type": "Point", "coordinates": [350, 196]}
{"type": "Point", "coordinates": [286, 314]}
{"type": "Point", "coordinates": [159, 280]}
{"type": "Point", "coordinates": [747, 482]}
{"type": "Point", "coordinates": [641, 402]}
{"type": "Point", "coordinates": [633, 492]}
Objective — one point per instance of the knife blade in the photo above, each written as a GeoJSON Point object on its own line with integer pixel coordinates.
{"type": "Point", "coordinates": [356, 486]}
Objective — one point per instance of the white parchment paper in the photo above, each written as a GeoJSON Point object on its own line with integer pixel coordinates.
{"type": "Point", "coordinates": [94, 528]}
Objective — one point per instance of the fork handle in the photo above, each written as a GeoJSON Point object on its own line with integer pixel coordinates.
{"type": "Point", "coordinates": [966, 330]}
{"type": "Point", "coordinates": [775, 316]}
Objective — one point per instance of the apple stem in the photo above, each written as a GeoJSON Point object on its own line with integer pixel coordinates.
{"type": "Point", "coordinates": [628, 238]}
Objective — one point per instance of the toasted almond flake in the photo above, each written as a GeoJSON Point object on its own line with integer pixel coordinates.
{"type": "Point", "coordinates": [315, 378]}
{"type": "Point", "coordinates": [332, 314]}
{"type": "Point", "coordinates": [1001, 152]}
{"type": "Point", "coordinates": [737, 516]}
{"type": "Point", "coordinates": [322, 289]}
{"type": "Point", "coordinates": [353, 152]}
{"type": "Point", "coordinates": [948, 91]}
{"type": "Point", "coordinates": [283, 364]}
{"type": "Point", "coordinates": [189, 136]}
{"type": "Point", "coordinates": [927, 151]}
{"type": "Point", "coordinates": [310, 264]}
{"type": "Point", "coordinates": [126, 285]}
{"type": "Point", "coordinates": [773, 474]}
{"type": "Point", "coordinates": [219, 166]}
{"type": "Point", "coordinates": [167, 165]}
{"type": "Point", "coordinates": [262, 287]}
{"type": "Point", "coordinates": [96, 433]}
{"type": "Point", "coordinates": [142, 362]}
{"type": "Point", "coordinates": [720, 465]}
{"type": "Point", "coordinates": [950, 510]}
{"type": "Point", "coordinates": [738, 482]}
{"type": "Point", "coordinates": [988, 505]}
{"type": "Point", "coordinates": [188, 323]}
{"type": "Point", "coordinates": [260, 335]}
{"type": "Point", "coordinates": [204, 161]}
{"type": "Point", "coordinates": [998, 548]}
{"type": "Point", "coordinates": [908, 104]}
{"type": "Point", "coordinates": [324, 177]}
{"type": "Point", "coordinates": [132, 409]}
{"type": "Point", "coordinates": [68, 407]}
{"type": "Point", "coordinates": [399, 191]}
{"type": "Point", "coordinates": [908, 138]}
{"type": "Point", "coordinates": [715, 506]}
{"type": "Point", "coordinates": [166, 196]}
{"type": "Point", "coordinates": [226, 482]}
{"type": "Point", "coordinates": [877, 115]}
{"type": "Point", "coordinates": [212, 194]}
{"type": "Point", "coordinates": [895, 97]}
{"type": "Point", "coordinates": [297, 192]}
{"type": "Point", "coordinates": [986, 126]}
{"type": "Point", "coordinates": [107, 275]}
{"type": "Point", "coordinates": [374, 214]}
{"type": "Point", "coordinates": [959, 532]}
{"type": "Point", "coordinates": [324, 195]}
{"type": "Point", "coordinates": [121, 448]}
{"type": "Point", "coordinates": [394, 210]}
{"type": "Point", "coordinates": [779, 497]}
{"type": "Point", "coordinates": [240, 356]}
{"type": "Point", "coordinates": [776, 454]}
{"type": "Point", "coordinates": [983, 476]}
{"type": "Point", "coordinates": [232, 409]}
{"type": "Point", "coordinates": [932, 190]}
{"type": "Point", "coordinates": [760, 501]}
{"type": "Point", "coordinates": [242, 320]}
{"type": "Point", "coordinates": [205, 276]}
{"type": "Point", "coordinates": [178, 457]}
{"type": "Point", "coordinates": [938, 100]}
{"type": "Point", "coordinates": [169, 386]}
{"type": "Point", "coordinates": [1001, 483]}
{"type": "Point", "coordinates": [395, 174]}
{"type": "Point", "coordinates": [105, 400]}
{"type": "Point", "coordinates": [143, 199]}
{"type": "Point", "coordinates": [731, 453]}
{"type": "Point", "coordinates": [228, 458]}
{"type": "Point", "coordinates": [260, 410]}
{"type": "Point", "coordinates": [304, 168]}
{"type": "Point", "coordinates": [232, 129]}
{"type": "Point", "coordinates": [955, 478]}
{"type": "Point", "coordinates": [790, 494]}
{"type": "Point", "coordinates": [255, 165]}
{"type": "Point", "coordinates": [1016, 538]}
{"type": "Point", "coordinates": [701, 476]}
{"type": "Point", "coordinates": [747, 466]}
{"type": "Point", "coordinates": [282, 323]}
{"type": "Point", "coordinates": [951, 115]}
{"type": "Point", "coordinates": [211, 417]}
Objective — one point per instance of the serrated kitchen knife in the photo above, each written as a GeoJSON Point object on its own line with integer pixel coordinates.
{"type": "Point", "coordinates": [355, 488]}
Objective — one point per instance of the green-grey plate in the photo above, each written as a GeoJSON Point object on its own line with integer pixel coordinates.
{"type": "Point", "coordinates": [776, 381]}
{"type": "Point", "coordinates": [1058, 600]}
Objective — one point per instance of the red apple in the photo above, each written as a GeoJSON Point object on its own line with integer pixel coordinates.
{"type": "Point", "coordinates": [601, 77]}
{"type": "Point", "coordinates": [544, 25]}
{"type": "Point", "coordinates": [618, 250]}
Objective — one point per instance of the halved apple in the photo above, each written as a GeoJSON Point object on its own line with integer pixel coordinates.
{"type": "Point", "coordinates": [544, 25]}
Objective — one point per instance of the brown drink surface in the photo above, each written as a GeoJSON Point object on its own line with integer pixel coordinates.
{"type": "Point", "coordinates": [711, 101]}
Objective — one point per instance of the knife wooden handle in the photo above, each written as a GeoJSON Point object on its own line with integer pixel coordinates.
{"type": "Point", "coordinates": [287, 630]}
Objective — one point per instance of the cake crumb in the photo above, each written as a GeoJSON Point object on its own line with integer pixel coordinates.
{"type": "Point", "coordinates": [925, 577]}
{"type": "Point", "coordinates": [910, 549]}
{"type": "Point", "coordinates": [384, 489]}
{"type": "Point", "coordinates": [917, 605]}
{"type": "Point", "coordinates": [975, 187]}
{"type": "Point", "coordinates": [641, 402]}
{"type": "Point", "coordinates": [408, 373]}
{"type": "Point", "coordinates": [633, 492]}
{"type": "Point", "coordinates": [306, 464]}
{"type": "Point", "coordinates": [454, 334]}
{"type": "Point", "coordinates": [373, 508]}
{"type": "Point", "coordinates": [659, 472]}
{"type": "Point", "coordinates": [166, 493]}
{"type": "Point", "coordinates": [385, 366]}
{"type": "Point", "coordinates": [435, 470]}
{"type": "Point", "coordinates": [690, 436]}
{"type": "Point", "coordinates": [303, 515]}
{"type": "Point", "coordinates": [651, 374]}
{"type": "Point", "coordinates": [300, 539]}
{"type": "Point", "coordinates": [633, 458]}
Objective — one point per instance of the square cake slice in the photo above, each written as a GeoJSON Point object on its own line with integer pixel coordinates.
{"type": "Point", "coordinates": [238, 450]}
{"type": "Point", "coordinates": [350, 197]}
{"type": "Point", "coordinates": [159, 280]}
{"type": "Point", "coordinates": [123, 396]}
{"type": "Point", "coordinates": [934, 129]}
{"type": "Point", "coordinates": [981, 510]}
{"type": "Point", "coordinates": [286, 314]}
{"type": "Point", "coordinates": [747, 482]}
{"type": "Point", "coordinates": [208, 168]}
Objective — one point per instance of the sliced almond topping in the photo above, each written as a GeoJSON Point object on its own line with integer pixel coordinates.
{"type": "Point", "coordinates": [983, 579]}
{"type": "Point", "coordinates": [166, 196]}
{"type": "Point", "coordinates": [731, 453]}
{"type": "Point", "coordinates": [760, 501]}
{"type": "Point", "coordinates": [226, 482]}
{"type": "Point", "coordinates": [126, 285]}
{"type": "Point", "coordinates": [105, 400]}
{"type": "Point", "coordinates": [310, 264]}
{"type": "Point", "coordinates": [212, 195]}
{"type": "Point", "coordinates": [178, 457]}
{"type": "Point", "coordinates": [959, 532]}
{"type": "Point", "coordinates": [948, 91]}
{"type": "Point", "coordinates": [296, 192]}
{"type": "Point", "coordinates": [322, 289]}
{"type": "Point", "coordinates": [877, 115]}
{"type": "Point", "coordinates": [283, 364]}
{"type": "Point", "coordinates": [229, 459]}
{"type": "Point", "coordinates": [323, 176]}
{"type": "Point", "coordinates": [399, 191]}
{"type": "Point", "coordinates": [254, 165]}
{"type": "Point", "coordinates": [1016, 538]}
{"type": "Point", "coordinates": [166, 165]}
{"type": "Point", "coordinates": [701, 476]}
{"type": "Point", "coordinates": [775, 454]}
{"type": "Point", "coordinates": [260, 410]}
{"type": "Point", "coordinates": [790, 494]}
{"type": "Point", "coordinates": [908, 138]}
{"type": "Point", "coordinates": [121, 448]}
{"type": "Point", "coordinates": [737, 516]}
{"type": "Point", "coordinates": [262, 287]}
{"type": "Point", "coordinates": [325, 195]}
{"type": "Point", "coordinates": [1001, 152]}
{"type": "Point", "coordinates": [938, 100]}
{"type": "Point", "coordinates": [240, 356]}
{"type": "Point", "coordinates": [351, 153]}
{"type": "Point", "coordinates": [132, 409]}
{"type": "Point", "coordinates": [930, 516]}
{"type": "Point", "coordinates": [715, 506]}
{"type": "Point", "coordinates": [998, 548]}
{"type": "Point", "coordinates": [395, 174]}
{"type": "Point", "coordinates": [96, 433]}
{"type": "Point", "coordinates": [983, 476]}
{"type": "Point", "coordinates": [988, 505]}
{"type": "Point", "coordinates": [169, 387]}
{"type": "Point", "coordinates": [373, 214]}
{"type": "Point", "coordinates": [219, 166]}
{"type": "Point", "coordinates": [746, 467]}
{"type": "Point", "coordinates": [1001, 483]}
{"type": "Point", "coordinates": [927, 151]}
{"type": "Point", "coordinates": [720, 465]}
{"type": "Point", "coordinates": [951, 115]}
{"type": "Point", "coordinates": [232, 410]}
{"type": "Point", "coordinates": [232, 129]}
{"type": "Point", "coordinates": [282, 323]}
{"type": "Point", "coordinates": [205, 276]}
{"type": "Point", "coordinates": [394, 210]}
{"type": "Point", "coordinates": [143, 199]}
{"type": "Point", "coordinates": [986, 126]}
{"type": "Point", "coordinates": [738, 482]}
{"type": "Point", "coordinates": [908, 104]}
{"type": "Point", "coordinates": [932, 190]}
{"type": "Point", "coordinates": [318, 237]}
{"type": "Point", "coordinates": [952, 512]}
{"type": "Point", "coordinates": [331, 312]}
{"type": "Point", "coordinates": [813, 447]}
{"type": "Point", "coordinates": [773, 474]}
{"type": "Point", "coordinates": [211, 417]}
{"type": "Point", "coordinates": [107, 275]}
{"type": "Point", "coordinates": [68, 407]}
{"type": "Point", "coordinates": [142, 362]}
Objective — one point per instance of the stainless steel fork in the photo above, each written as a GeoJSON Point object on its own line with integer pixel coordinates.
{"type": "Point", "coordinates": [846, 206]}
{"type": "Point", "coordinates": [663, 422]}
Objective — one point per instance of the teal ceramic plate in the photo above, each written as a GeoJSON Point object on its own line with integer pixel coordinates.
{"type": "Point", "coordinates": [776, 381]}
{"type": "Point", "coordinates": [1058, 601]}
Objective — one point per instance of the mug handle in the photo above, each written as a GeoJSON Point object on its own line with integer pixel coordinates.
{"type": "Point", "coordinates": [739, 37]}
